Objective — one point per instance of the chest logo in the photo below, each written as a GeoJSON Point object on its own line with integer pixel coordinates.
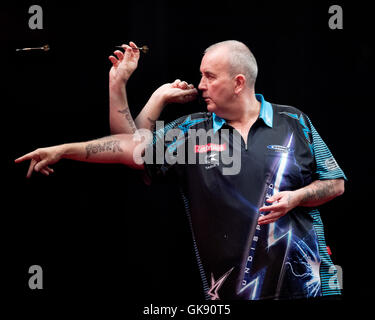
{"type": "Point", "coordinates": [204, 148]}
{"type": "Point", "coordinates": [212, 160]}
{"type": "Point", "coordinates": [278, 148]}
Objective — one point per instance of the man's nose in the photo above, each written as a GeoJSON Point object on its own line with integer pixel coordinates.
{"type": "Point", "coordinates": [202, 84]}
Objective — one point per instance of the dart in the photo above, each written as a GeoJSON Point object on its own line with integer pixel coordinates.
{"type": "Point", "coordinates": [144, 49]}
{"type": "Point", "coordinates": [44, 48]}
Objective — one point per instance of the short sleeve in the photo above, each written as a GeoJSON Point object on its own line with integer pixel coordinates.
{"type": "Point", "coordinates": [161, 155]}
{"type": "Point", "coordinates": [326, 165]}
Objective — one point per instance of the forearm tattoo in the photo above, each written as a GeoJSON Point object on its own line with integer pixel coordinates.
{"type": "Point", "coordinates": [128, 117]}
{"type": "Point", "coordinates": [320, 191]}
{"type": "Point", "coordinates": [112, 145]}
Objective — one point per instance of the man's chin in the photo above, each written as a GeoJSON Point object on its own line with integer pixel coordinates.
{"type": "Point", "coordinates": [211, 107]}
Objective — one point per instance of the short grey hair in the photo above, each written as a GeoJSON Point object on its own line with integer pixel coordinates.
{"type": "Point", "coordinates": [241, 60]}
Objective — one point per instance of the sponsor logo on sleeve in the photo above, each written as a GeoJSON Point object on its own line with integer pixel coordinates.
{"type": "Point", "coordinates": [331, 164]}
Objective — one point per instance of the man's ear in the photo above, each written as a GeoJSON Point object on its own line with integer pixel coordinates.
{"type": "Point", "coordinates": [240, 82]}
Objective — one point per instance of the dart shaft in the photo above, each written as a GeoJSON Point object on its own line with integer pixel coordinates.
{"type": "Point", "coordinates": [144, 49]}
{"type": "Point", "coordinates": [44, 48]}
{"type": "Point", "coordinates": [133, 48]}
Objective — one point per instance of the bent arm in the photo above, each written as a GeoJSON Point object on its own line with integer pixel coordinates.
{"type": "Point", "coordinates": [150, 113]}
{"type": "Point", "coordinates": [176, 92]}
{"type": "Point", "coordinates": [315, 194]}
{"type": "Point", "coordinates": [121, 120]}
{"type": "Point", "coordinates": [320, 192]}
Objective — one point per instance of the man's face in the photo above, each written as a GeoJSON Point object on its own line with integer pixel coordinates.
{"type": "Point", "coordinates": [216, 84]}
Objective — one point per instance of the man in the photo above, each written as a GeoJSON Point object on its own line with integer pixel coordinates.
{"type": "Point", "coordinates": [256, 231]}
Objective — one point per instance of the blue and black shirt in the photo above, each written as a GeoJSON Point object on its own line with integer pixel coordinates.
{"type": "Point", "coordinates": [224, 180]}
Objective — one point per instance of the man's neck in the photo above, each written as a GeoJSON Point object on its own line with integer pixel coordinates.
{"type": "Point", "coordinates": [247, 112]}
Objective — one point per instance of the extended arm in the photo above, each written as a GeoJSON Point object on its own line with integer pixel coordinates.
{"type": "Point", "coordinates": [124, 148]}
{"type": "Point", "coordinates": [315, 194]}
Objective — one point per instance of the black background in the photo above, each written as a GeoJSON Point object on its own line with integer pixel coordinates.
{"type": "Point", "coordinates": [105, 240]}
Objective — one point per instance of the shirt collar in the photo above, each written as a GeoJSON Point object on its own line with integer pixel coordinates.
{"type": "Point", "coordinates": [266, 111]}
{"type": "Point", "coordinates": [266, 114]}
{"type": "Point", "coordinates": [217, 122]}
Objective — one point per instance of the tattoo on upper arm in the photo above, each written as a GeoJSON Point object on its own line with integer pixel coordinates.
{"type": "Point", "coordinates": [128, 116]}
{"type": "Point", "coordinates": [112, 145]}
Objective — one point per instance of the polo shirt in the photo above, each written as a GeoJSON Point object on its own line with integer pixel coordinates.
{"type": "Point", "coordinates": [224, 180]}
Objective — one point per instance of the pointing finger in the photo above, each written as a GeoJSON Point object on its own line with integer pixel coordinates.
{"type": "Point", "coordinates": [27, 156]}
